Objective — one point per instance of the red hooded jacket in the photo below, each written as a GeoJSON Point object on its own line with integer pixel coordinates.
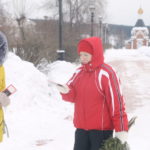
{"type": "Point", "coordinates": [95, 91]}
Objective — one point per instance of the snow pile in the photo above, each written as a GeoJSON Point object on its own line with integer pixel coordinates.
{"type": "Point", "coordinates": [30, 83]}
{"type": "Point", "coordinates": [132, 66]}
{"type": "Point", "coordinates": [128, 54]}
{"type": "Point", "coordinates": [63, 72]}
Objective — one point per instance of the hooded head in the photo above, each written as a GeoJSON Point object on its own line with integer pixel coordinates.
{"type": "Point", "coordinates": [92, 45]}
{"type": "Point", "coordinates": [85, 46]}
{"type": "Point", "coordinates": [3, 48]}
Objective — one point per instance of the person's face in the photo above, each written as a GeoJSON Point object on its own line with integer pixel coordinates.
{"type": "Point", "coordinates": [85, 57]}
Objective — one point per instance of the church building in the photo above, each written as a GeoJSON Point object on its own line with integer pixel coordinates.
{"type": "Point", "coordinates": [139, 34]}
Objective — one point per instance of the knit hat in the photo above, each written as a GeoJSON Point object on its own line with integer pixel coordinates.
{"type": "Point", "coordinates": [84, 46]}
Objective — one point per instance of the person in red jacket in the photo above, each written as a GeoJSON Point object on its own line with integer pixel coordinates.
{"type": "Point", "coordinates": [99, 106]}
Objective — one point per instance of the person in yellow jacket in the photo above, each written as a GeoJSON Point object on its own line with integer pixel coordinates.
{"type": "Point", "coordinates": [4, 100]}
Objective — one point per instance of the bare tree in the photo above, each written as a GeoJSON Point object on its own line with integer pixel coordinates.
{"type": "Point", "coordinates": [20, 10]}
{"type": "Point", "coordinates": [74, 10]}
{"type": "Point", "coordinates": [3, 15]}
{"type": "Point", "coordinates": [51, 6]}
{"type": "Point", "coordinates": [27, 44]}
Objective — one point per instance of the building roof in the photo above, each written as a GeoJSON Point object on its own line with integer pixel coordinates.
{"type": "Point", "coordinates": [140, 23]}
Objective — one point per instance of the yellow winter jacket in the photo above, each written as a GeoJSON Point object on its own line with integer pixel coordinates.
{"type": "Point", "coordinates": [2, 87]}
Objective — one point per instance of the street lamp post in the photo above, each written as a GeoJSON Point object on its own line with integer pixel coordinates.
{"type": "Point", "coordinates": [105, 33]}
{"type": "Point", "coordinates": [92, 9]}
{"type": "Point", "coordinates": [60, 52]}
{"type": "Point", "coordinates": [100, 27]}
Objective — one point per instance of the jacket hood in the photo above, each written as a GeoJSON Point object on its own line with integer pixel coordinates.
{"type": "Point", "coordinates": [3, 48]}
{"type": "Point", "coordinates": [96, 44]}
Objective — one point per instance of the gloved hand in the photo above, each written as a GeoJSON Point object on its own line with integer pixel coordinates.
{"type": "Point", "coordinates": [4, 99]}
{"type": "Point", "coordinates": [64, 89]}
{"type": "Point", "coordinates": [122, 136]}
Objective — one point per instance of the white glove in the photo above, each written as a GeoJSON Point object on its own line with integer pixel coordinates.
{"type": "Point", "coordinates": [4, 99]}
{"type": "Point", "coordinates": [63, 88]}
{"type": "Point", "coordinates": [122, 136]}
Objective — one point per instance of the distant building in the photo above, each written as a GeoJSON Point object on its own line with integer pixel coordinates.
{"type": "Point", "coordinates": [139, 34]}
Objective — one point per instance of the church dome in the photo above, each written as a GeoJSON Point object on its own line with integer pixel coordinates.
{"type": "Point", "coordinates": [140, 23]}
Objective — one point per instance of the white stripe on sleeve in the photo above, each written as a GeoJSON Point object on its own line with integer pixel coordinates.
{"type": "Point", "coordinates": [104, 73]}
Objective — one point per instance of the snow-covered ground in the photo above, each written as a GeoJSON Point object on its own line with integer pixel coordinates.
{"type": "Point", "coordinates": [38, 119]}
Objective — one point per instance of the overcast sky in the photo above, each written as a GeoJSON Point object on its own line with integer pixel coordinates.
{"type": "Point", "coordinates": [125, 11]}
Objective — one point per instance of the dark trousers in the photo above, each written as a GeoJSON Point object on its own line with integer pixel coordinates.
{"type": "Point", "coordinates": [90, 139]}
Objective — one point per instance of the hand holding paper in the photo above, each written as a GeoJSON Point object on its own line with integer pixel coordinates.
{"type": "Point", "coordinates": [62, 88]}
{"type": "Point", "coordinates": [4, 96]}
{"type": "Point", "coordinates": [10, 90]}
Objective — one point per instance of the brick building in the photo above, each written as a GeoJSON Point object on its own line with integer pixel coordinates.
{"type": "Point", "coordinates": [139, 34]}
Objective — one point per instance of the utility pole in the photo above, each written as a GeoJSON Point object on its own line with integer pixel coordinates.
{"type": "Point", "coordinates": [60, 52]}
{"type": "Point", "coordinates": [92, 10]}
